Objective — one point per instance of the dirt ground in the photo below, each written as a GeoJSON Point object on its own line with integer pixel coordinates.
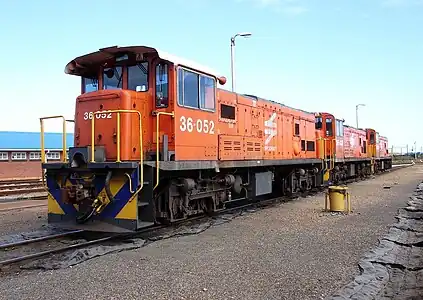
{"type": "Point", "coordinates": [291, 251]}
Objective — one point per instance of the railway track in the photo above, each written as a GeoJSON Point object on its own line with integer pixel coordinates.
{"type": "Point", "coordinates": [58, 248]}
{"type": "Point", "coordinates": [18, 186]}
{"type": "Point", "coordinates": [49, 244]}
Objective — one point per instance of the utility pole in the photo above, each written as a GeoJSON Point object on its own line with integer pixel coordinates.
{"type": "Point", "coordinates": [245, 35]}
{"type": "Point", "coordinates": [356, 113]}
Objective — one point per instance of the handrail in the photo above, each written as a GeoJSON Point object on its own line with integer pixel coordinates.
{"type": "Point", "coordinates": [324, 154]}
{"type": "Point", "coordinates": [158, 114]}
{"type": "Point", "coordinates": [333, 148]}
{"type": "Point", "coordinates": [331, 165]}
{"type": "Point", "coordinates": [43, 154]}
{"type": "Point", "coordinates": [118, 112]}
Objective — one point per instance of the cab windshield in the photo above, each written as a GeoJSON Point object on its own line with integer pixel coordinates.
{"type": "Point", "coordinates": [136, 78]}
{"type": "Point", "coordinates": [112, 78]}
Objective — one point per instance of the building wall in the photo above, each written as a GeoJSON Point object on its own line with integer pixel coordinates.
{"type": "Point", "coordinates": [20, 169]}
{"type": "Point", "coordinates": [22, 164]}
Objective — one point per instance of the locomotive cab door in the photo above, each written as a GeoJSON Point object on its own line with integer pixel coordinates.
{"type": "Point", "coordinates": [162, 112]}
{"type": "Point", "coordinates": [296, 138]}
{"type": "Point", "coordinates": [371, 150]}
{"type": "Point", "coordinates": [329, 145]}
{"type": "Point", "coordinates": [329, 128]}
{"type": "Point", "coordinates": [371, 138]}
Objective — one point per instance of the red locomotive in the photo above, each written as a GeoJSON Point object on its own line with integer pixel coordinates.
{"type": "Point", "coordinates": [157, 141]}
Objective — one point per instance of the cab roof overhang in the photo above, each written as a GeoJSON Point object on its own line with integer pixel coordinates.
{"type": "Point", "coordinates": [79, 65]}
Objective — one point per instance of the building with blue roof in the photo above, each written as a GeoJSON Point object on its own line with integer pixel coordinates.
{"type": "Point", "coordinates": [25, 147]}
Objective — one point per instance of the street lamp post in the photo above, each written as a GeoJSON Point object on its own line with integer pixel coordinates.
{"type": "Point", "coordinates": [356, 113]}
{"type": "Point", "coordinates": [245, 35]}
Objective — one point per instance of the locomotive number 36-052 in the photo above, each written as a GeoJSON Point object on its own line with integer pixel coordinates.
{"type": "Point", "coordinates": [89, 115]}
{"type": "Point", "coordinates": [188, 124]}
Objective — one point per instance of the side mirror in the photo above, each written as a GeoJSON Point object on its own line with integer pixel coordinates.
{"type": "Point", "coordinates": [109, 73]}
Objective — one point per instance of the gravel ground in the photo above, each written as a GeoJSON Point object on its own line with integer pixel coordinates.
{"type": "Point", "coordinates": [292, 251]}
{"type": "Point", "coordinates": [21, 220]}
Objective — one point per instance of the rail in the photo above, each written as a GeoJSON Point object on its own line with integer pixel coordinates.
{"type": "Point", "coordinates": [158, 114]}
{"type": "Point", "coordinates": [118, 112]}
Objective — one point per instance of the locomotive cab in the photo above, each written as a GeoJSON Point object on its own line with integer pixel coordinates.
{"type": "Point", "coordinates": [124, 125]}
{"type": "Point", "coordinates": [326, 133]}
{"type": "Point", "coordinates": [325, 126]}
{"type": "Point", "coordinates": [125, 84]}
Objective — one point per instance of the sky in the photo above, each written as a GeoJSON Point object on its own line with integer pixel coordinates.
{"type": "Point", "coordinates": [316, 55]}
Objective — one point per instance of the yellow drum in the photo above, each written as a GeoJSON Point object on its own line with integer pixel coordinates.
{"type": "Point", "coordinates": [336, 199]}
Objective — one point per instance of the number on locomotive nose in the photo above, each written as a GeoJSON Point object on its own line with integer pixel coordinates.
{"type": "Point", "coordinates": [89, 115]}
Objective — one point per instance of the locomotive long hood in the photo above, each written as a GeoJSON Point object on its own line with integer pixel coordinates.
{"type": "Point", "coordinates": [80, 65]}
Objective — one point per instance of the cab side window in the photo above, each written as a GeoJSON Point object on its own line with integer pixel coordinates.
{"type": "Point", "coordinates": [89, 84]}
{"type": "Point", "coordinates": [162, 85]}
{"type": "Point", "coordinates": [329, 129]}
{"type": "Point", "coordinates": [318, 124]}
{"type": "Point", "coordinates": [196, 90]}
{"type": "Point", "coordinates": [207, 92]}
{"type": "Point", "coordinates": [372, 138]}
{"type": "Point", "coordinates": [339, 128]}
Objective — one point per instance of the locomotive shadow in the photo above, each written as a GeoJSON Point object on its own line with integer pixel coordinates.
{"type": "Point", "coordinates": [192, 227]}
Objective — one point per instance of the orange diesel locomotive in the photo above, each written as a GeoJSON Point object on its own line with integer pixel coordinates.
{"type": "Point", "coordinates": [156, 141]}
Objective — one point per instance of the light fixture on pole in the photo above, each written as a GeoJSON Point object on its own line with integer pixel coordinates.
{"type": "Point", "coordinates": [245, 35]}
{"type": "Point", "coordinates": [356, 112]}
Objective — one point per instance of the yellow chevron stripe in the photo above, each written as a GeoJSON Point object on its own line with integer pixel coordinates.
{"type": "Point", "coordinates": [115, 185]}
{"type": "Point", "coordinates": [129, 211]}
{"type": "Point", "coordinates": [53, 206]}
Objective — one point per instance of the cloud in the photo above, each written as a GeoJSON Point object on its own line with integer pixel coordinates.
{"type": "Point", "coordinates": [291, 7]}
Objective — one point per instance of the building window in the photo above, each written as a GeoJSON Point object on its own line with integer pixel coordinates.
{"type": "Point", "coordinates": [35, 155]}
{"type": "Point", "coordinates": [196, 90]}
{"type": "Point", "coordinates": [53, 155]}
{"type": "Point", "coordinates": [4, 156]}
{"type": "Point", "coordinates": [18, 155]}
